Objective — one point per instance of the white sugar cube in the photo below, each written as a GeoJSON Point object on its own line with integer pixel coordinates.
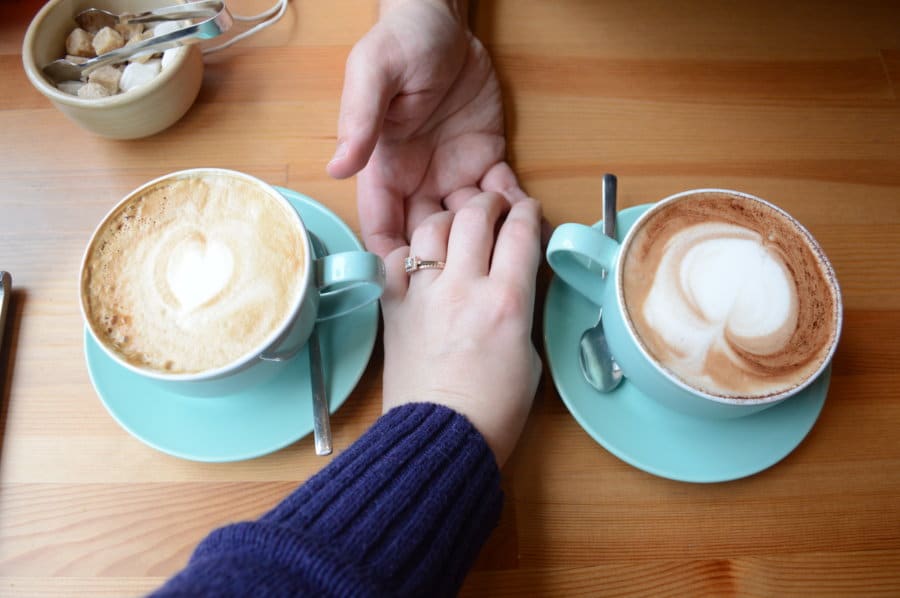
{"type": "Point", "coordinates": [137, 74]}
{"type": "Point", "coordinates": [69, 87]}
{"type": "Point", "coordinates": [169, 57]}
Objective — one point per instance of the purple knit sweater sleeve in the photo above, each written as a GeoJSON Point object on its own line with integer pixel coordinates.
{"type": "Point", "coordinates": [402, 512]}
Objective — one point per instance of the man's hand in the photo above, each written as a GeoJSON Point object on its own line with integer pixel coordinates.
{"type": "Point", "coordinates": [422, 118]}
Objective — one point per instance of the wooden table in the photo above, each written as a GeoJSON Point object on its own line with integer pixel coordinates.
{"type": "Point", "coordinates": [796, 102]}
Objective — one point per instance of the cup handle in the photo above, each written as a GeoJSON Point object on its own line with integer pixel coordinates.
{"type": "Point", "coordinates": [580, 255]}
{"type": "Point", "coordinates": [345, 282]}
{"type": "Point", "coordinates": [348, 281]}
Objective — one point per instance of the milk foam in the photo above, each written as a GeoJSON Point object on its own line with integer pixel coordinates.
{"type": "Point", "coordinates": [717, 285]}
{"type": "Point", "coordinates": [198, 270]}
{"type": "Point", "coordinates": [730, 295]}
{"type": "Point", "coordinates": [193, 274]}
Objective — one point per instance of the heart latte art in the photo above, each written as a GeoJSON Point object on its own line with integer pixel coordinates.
{"type": "Point", "coordinates": [730, 296]}
{"type": "Point", "coordinates": [191, 274]}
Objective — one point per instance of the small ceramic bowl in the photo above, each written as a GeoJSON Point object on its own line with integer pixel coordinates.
{"type": "Point", "coordinates": [136, 113]}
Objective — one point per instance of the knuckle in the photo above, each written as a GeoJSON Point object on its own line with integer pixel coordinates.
{"type": "Point", "coordinates": [432, 226]}
{"type": "Point", "coordinates": [523, 230]}
{"type": "Point", "coordinates": [475, 216]}
{"type": "Point", "coordinates": [357, 56]}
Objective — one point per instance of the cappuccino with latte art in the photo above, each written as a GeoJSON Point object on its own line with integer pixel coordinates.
{"type": "Point", "coordinates": [730, 295]}
{"type": "Point", "coordinates": [194, 272]}
{"type": "Point", "coordinates": [715, 303]}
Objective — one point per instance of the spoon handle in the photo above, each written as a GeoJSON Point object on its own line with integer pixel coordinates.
{"type": "Point", "coordinates": [192, 10]}
{"type": "Point", "coordinates": [609, 205]}
{"type": "Point", "coordinates": [321, 416]}
{"type": "Point", "coordinates": [5, 291]}
{"type": "Point", "coordinates": [321, 412]}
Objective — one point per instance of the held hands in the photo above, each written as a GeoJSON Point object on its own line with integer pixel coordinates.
{"type": "Point", "coordinates": [421, 121]}
{"type": "Point", "coordinates": [461, 336]}
{"type": "Point", "coordinates": [421, 117]}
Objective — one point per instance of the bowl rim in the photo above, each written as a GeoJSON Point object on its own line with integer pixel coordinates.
{"type": "Point", "coordinates": [48, 89]}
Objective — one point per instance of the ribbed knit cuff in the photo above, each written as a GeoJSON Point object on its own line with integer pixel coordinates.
{"type": "Point", "coordinates": [404, 511]}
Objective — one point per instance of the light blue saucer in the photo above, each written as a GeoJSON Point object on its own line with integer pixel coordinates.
{"type": "Point", "coordinates": [254, 422]}
{"type": "Point", "coordinates": [643, 433]}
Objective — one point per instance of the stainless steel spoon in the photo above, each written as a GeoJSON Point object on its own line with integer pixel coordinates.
{"type": "Point", "coordinates": [62, 70]}
{"type": "Point", "coordinates": [321, 414]}
{"type": "Point", "coordinates": [94, 19]}
{"type": "Point", "coordinates": [597, 364]}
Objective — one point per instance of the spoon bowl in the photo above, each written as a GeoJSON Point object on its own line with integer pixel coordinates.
{"type": "Point", "coordinates": [597, 364]}
{"type": "Point", "coordinates": [599, 368]}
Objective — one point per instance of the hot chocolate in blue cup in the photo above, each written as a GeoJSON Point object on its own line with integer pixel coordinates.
{"type": "Point", "coordinates": [716, 303]}
{"type": "Point", "coordinates": [204, 282]}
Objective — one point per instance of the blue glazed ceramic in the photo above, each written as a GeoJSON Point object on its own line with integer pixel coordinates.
{"type": "Point", "coordinates": [259, 419]}
{"type": "Point", "coordinates": [644, 432]}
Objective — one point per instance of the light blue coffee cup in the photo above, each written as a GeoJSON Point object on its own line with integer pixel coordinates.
{"type": "Point", "coordinates": [580, 254]}
{"type": "Point", "coordinates": [332, 286]}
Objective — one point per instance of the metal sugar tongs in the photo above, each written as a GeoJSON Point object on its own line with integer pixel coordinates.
{"type": "Point", "coordinates": [216, 21]}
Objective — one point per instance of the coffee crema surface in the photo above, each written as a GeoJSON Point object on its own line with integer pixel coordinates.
{"type": "Point", "coordinates": [193, 273]}
{"type": "Point", "coordinates": [730, 295]}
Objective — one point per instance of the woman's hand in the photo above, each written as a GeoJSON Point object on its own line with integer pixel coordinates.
{"type": "Point", "coordinates": [461, 336]}
{"type": "Point", "coordinates": [421, 116]}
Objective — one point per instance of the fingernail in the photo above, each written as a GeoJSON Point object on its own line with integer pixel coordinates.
{"type": "Point", "coordinates": [340, 152]}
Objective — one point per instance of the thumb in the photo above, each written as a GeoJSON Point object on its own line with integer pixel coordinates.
{"type": "Point", "coordinates": [369, 87]}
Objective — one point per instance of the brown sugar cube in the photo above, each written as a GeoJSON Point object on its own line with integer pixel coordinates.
{"type": "Point", "coordinates": [107, 40]}
{"type": "Point", "coordinates": [93, 91]}
{"type": "Point", "coordinates": [141, 57]}
{"type": "Point", "coordinates": [130, 30]}
{"type": "Point", "coordinates": [79, 43]}
{"type": "Point", "coordinates": [107, 76]}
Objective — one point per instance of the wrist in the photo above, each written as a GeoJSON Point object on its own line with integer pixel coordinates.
{"type": "Point", "coordinates": [458, 9]}
{"type": "Point", "coordinates": [500, 434]}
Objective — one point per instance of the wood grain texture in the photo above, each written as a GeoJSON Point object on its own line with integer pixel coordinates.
{"type": "Point", "coordinates": [797, 102]}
